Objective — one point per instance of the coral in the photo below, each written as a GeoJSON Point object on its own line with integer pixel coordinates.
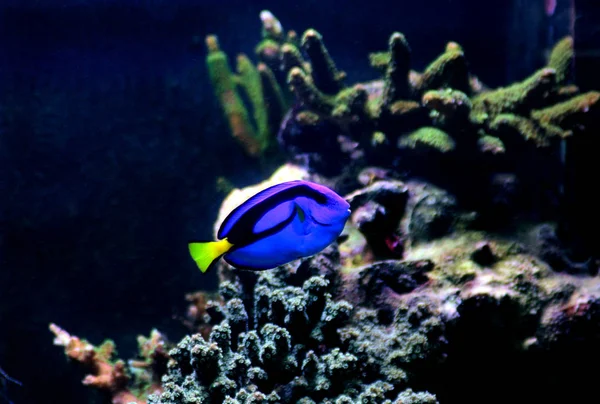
{"type": "Point", "coordinates": [324, 73]}
{"type": "Point", "coordinates": [430, 137]}
{"type": "Point", "coordinates": [276, 45]}
{"type": "Point", "coordinates": [203, 312]}
{"type": "Point", "coordinates": [125, 383]}
{"type": "Point", "coordinates": [397, 68]}
{"type": "Point", "coordinates": [519, 126]}
{"type": "Point", "coordinates": [449, 70]}
{"type": "Point", "coordinates": [281, 344]}
{"type": "Point", "coordinates": [447, 105]}
{"type": "Point", "coordinates": [406, 312]}
{"type": "Point", "coordinates": [561, 59]}
{"type": "Point", "coordinates": [515, 98]}
{"type": "Point", "coordinates": [307, 93]}
{"type": "Point", "coordinates": [261, 89]}
{"type": "Point", "coordinates": [577, 111]}
{"type": "Point", "coordinates": [335, 128]}
{"type": "Point", "coordinates": [490, 144]}
{"type": "Point", "coordinates": [466, 282]}
{"type": "Point", "coordinates": [396, 349]}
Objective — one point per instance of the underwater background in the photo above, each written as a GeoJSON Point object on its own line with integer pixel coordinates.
{"type": "Point", "coordinates": [115, 153]}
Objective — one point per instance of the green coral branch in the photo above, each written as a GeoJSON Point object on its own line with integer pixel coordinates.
{"type": "Point", "coordinates": [491, 144]}
{"type": "Point", "coordinates": [576, 111]}
{"type": "Point", "coordinates": [449, 70]}
{"type": "Point", "coordinates": [325, 74]}
{"type": "Point", "coordinates": [561, 59]}
{"type": "Point", "coordinates": [396, 85]}
{"type": "Point", "coordinates": [255, 134]}
{"type": "Point", "coordinates": [515, 98]}
{"type": "Point", "coordinates": [510, 123]}
{"type": "Point", "coordinates": [445, 94]}
{"type": "Point", "coordinates": [307, 93]}
{"type": "Point", "coordinates": [250, 81]}
{"type": "Point", "coordinates": [429, 137]}
{"type": "Point", "coordinates": [291, 58]}
{"type": "Point", "coordinates": [447, 105]}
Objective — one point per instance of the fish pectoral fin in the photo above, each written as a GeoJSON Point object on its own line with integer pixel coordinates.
{"type": "Point", "coordinates": [301, 214]}
{"type": "Point", "coordinates": [206, 253]}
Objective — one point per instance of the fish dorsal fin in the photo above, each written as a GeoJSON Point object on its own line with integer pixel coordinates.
{"type": "Point", "coordinates": [257, 199]}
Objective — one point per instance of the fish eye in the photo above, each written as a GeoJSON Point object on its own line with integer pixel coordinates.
{"type": "Point", "coordinates": [322, 200]}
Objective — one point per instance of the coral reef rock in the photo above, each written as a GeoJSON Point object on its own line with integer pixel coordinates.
{"type": "Point", "coordinates": [290, 342]}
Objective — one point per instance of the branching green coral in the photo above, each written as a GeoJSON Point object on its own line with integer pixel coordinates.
{"type": "Point", "coordinates": [278, 48]}
{"type": "Point", "coordinates": [250, 80]}
{"type": "Point", "coordinates": [563, 116]}
{"type": "Point", "coordinates": [518, 126]}
{"type": "Point", "coordinates": [291, 58]}
{"type": "Point", "coordinates": [352, 102]}
{"type": "Point", "coordinates": [517, 98]}
{"type": "Point", "coordinates": [561, 59]}
{"type": "Point", "coordinates": [446, 94]}
{"type": "Point", "coordinates": [449, 70]}
{"type": "Point", "coordinates": [254, 137]}
{"type": "Point", "coordinates": [224, 84]}
{"type": "Point", "coordinates": [324, 73]}
{"type": "Point", "coordinates": [398, 67]}
{"type": "Point", "coordinates": [490, 144]}
{"type": "Point", "coordinates": [273, 97]}
{"type": "Point", "coordinates": [428, 136]}
{"type": "Point", "coordinates": [302, 86]}
{"type": "Point", "coordinates": [447, 106]}
{"type": "Point", "coordinates": [379, 60]}
{"type": "Point", "coordinates": [400, 108]}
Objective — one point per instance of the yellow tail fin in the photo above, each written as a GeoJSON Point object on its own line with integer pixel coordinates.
{"type": "Point", "coordinates": [205, 253]}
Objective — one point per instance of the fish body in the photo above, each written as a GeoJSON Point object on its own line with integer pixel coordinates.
{"type": "Point", "coordinates": [280, 224]}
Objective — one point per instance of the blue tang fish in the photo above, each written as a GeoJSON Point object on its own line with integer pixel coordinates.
{"type": "Point", "coordinates": [280, 224]}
